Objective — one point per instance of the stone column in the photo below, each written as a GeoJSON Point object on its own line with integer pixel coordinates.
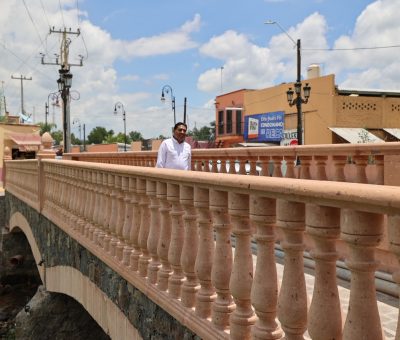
{"type": "Point", "coordinates": [154, 234]}
{"type": "Point", "coordinates": [264, 293]}
{"type": "Point", "coordinates": [222, 261]}
{"type": "Point", "coordinates": [325, 316]}
{"type": "Point", "coordinates": [190, 246]}
{"type": "Point", "coordinates": [361, 165]}
{"type": "Point", "coordinates": [144, 203]}
{"type": "Point", "coordinates": [339, 163]}
{"type": "Point", "coordinates": [242, 318]}
{"type": "Point", "coordinates": [205, 254]}
{"type": "Point", "coordinates": [128, 221]}
{"type": "Point", "coordinates": [292, 302]}
{"type": "Point", "coordinates": [165, 237]}
{"type": "Point", "coordinates": [362, 232]}
{"type": "Point", "coordinates": [305, 163]}
{"type": "Point", "coordinates": [320, 163]}
{"type": "Point", "coordinates": [177, 235]}
{"type": "Point", "coordinates": [277, 160]}
{"type": "Point", "coordinates": [134, 234]}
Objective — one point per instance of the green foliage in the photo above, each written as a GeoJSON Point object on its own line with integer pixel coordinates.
{"type": "Point", "coordinates": [99, 135]}
{"type": "Point", "coordinates": [135, 136]}
{"type": "Point", "coordinates": [75, 140]}
{"type": "Point", "coordinates": [46, 128]}
{"type": "Point", "coordinates": [204, 133]}
{"type": "Point", "coordinates": [57, 136]}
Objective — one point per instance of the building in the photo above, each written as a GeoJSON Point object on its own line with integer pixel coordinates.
{"type": "Point", "coordinates": [332, 115]}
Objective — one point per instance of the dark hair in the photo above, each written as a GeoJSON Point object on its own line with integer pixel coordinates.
{"type": "Point", "coordinates": [179, 123]}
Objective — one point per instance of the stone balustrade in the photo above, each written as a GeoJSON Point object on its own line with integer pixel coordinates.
{"type": "Point", "coordinates": [358, 163]}
{"type": "Point", "coordinates": [169, 233]}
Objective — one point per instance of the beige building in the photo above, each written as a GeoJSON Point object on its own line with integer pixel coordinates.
{"type": "Point", "coordinates": [23, 140]}
{"type": "Point", "coordinates": [332, 115]}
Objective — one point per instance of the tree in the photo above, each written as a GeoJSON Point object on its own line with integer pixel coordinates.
{"type": "Point", "coordinates": [57, 137]}
{"type": "Point", "coordinates": [46, 128]}
{"type": "Point", "coordinates": [98, 135]}
{"type": "Point", "coordinates": [74, 140]}
{"type": "Point", "coordinates": [204, 133]}
{"type": "Point", "coordinates": [135, 136]}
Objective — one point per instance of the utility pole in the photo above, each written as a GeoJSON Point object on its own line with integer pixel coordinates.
{"type": "Point", "coordinates": [65, 80]}
{"type": "Point", "coordinates": [3, 107]}
{"type": "Point", "coordinates": [22, 78]}
{"type": "Point", "coordinates": [184, 111]}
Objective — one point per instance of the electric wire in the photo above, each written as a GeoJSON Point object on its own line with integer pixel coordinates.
{"type": "Point", "coordinates": [62, 13]}
{"type": "Point", "coordinates": [33, 23]}
{"type": "Point", "coordinates": [45, 14]}
{"type": "Point", "coordinates": [351, 49]}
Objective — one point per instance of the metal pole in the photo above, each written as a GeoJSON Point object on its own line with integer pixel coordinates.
{"type": "Point", "coordinates": [173, 107]}
{"type": "Point", "coordinates": [298, 98]}
{"type": "Point", "coordinates": [184, 111]}
{"type": "Point", "coordinates": [124, 130]}
{"type": "Point", "coordinates": [84, 137]}
{"type": "Point", "coordinates": [46, 114]}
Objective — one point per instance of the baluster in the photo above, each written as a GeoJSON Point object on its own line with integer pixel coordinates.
{"type": "Point", "coordinates": [290, 162]}
{"type": "Point", "coordinates": [242, 166]}
{"type": "Point", "coordinates": [114, 226]}
{"type": "Point", "coordinates": [112, 213]}
{"type": "Point", "coordinates": [98, 210]}
{"type": "Point", "coordinates": [165, 237]}
{"type": "Point", "coordinates": [222, 261]}
{"type": "Point", "coordinates": [277, 160]}
{"type": "Point", "coordinates": [292, 301]}
{"type": "Point", "coordinates": [305, 162]}
{"type": "Point", "coordinates": [264, 164]}
{"type": "Point", "coordinates": [105, 238]}
{"type": "Point", "coordinates": [323, 225]}
{"type": "Point", "coordinates": [339, 162]}
{"type": "Point", "coordinates": [93, 204]}
{"type": "Point", "coordinates": [243, 317]}
{"type": "Point", "coordinates": [205, 254]}
{"type": "Point", "coordinates": [362, 232]}
{"type": "Point", "coordinates": [85, 198]}
{"type": "Point", "coordinates": [177, 235]}
{"type": "Point", "coordinates": [128, 222]}
{"type": "Point", "coordinates": [253, 165]}
{"type": "Point", "coordinates": [379, 169]}
{"type": "Point", "coordinates": [320, 163]}
{"type": "Point", "coordinates": [154, 234]}
{"type": "Point", "coordinates": [264, 293]}
{"type": "Point", "coordinates": [134, 235]}
{"type": "Point", "coordinates": [212, 165]}
{"type": "Point", "coordinates": [394, 240]}
{"type": "Point", "coordinates": [104, 194]}
{"type": "Point", "coordinates": [206, 167]}
{"type": "Point", "coordinates": [144, 203]}
{"type": "Point", "coordinates": [223, 165]}
{"type": "Point", "coordinates": [122, 193]}
{"type": "Point", "coordinates": [190, 247]}
{"type": "Point", "coordinates": [232, 167]}
{"type": "Point", "coordinates": [361, 162]}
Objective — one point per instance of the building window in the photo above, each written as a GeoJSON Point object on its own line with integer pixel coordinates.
{"type": "Point", "coordinates": [220, 122]}
{"type": "Point", "coordinates": [238, 122]}
{"type": "Point", "coordinates": [228, 121]}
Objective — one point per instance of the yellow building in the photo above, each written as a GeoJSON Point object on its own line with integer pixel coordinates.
{"type": "Point", "coordinates": [332, 115]}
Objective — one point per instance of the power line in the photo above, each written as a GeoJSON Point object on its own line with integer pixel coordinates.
{"type": "Point", "coordinates": [62, 13]}
{"type": "Point", "coordinates": [351, 49]}
{"type": "Point", "coordinates": [45, 14]}
{"type": "Point", "coordinates": [33, 23]}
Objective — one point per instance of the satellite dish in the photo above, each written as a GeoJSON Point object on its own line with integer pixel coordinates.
{"type": "Point", "coordinates": [25, 118]}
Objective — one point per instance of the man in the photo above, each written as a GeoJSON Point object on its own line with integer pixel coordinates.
{"type": "Point", "coordinates": [175, 153]}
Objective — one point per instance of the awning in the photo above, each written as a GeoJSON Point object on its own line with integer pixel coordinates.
{"type": "Point", "coordinates": [356, 135]}
{"type": "Point", "coordinates": [393, 132]}
{"type": "Point", "coordinates": [26, 141]}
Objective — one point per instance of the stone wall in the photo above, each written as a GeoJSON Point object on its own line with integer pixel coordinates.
{"type": "Point", "coordinates": [59, 249]}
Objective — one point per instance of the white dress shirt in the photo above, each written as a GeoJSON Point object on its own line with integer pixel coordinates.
{"type": "Point", "coordinates": [174, 155]}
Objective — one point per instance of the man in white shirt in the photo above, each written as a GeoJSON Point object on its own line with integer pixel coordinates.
{"type": "Point", "coordinates": [175, 153]}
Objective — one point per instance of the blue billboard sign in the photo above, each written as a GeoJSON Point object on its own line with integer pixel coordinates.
{"type": "Point", "coordinates": [264, 127]}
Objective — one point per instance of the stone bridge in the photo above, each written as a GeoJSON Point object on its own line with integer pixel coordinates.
{"type": "Point", "coordinates": [156, 253]}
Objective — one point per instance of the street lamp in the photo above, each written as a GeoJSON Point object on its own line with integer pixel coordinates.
{"type": "Point", "coordinates": [54, 97]}
{"type": "Point", "coordinates": [64, 84]}
{"type": "Point", "coordinates": [168, 89]}
{"type": "Point", "coordinates": [298, 101]}
{"type": "Point", "coordinates": [120, 107]}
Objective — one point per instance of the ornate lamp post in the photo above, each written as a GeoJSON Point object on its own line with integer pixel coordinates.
{"type": "Point", "coordinates": [168, 89]}
{"type": "Point", "coordinates": [64, 85]}
{"type": "Point", "coordinates": [120, 107]}
{"type": "Point", "coordinates": [298, 101]}
{"type": "Point", "coordinates": [54, 97]}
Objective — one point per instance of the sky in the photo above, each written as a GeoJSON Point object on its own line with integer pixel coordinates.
{"type": "Point", "coordinates": [200, 48]}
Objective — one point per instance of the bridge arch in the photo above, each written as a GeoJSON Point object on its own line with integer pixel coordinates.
{"type": "Point", "coordinates": [70, 281]}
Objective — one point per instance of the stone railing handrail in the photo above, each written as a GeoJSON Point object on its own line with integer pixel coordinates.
{"type": "Point", "coordinates": [155, 227]}
{"type": "Point", "coordinates": [321, 162]}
